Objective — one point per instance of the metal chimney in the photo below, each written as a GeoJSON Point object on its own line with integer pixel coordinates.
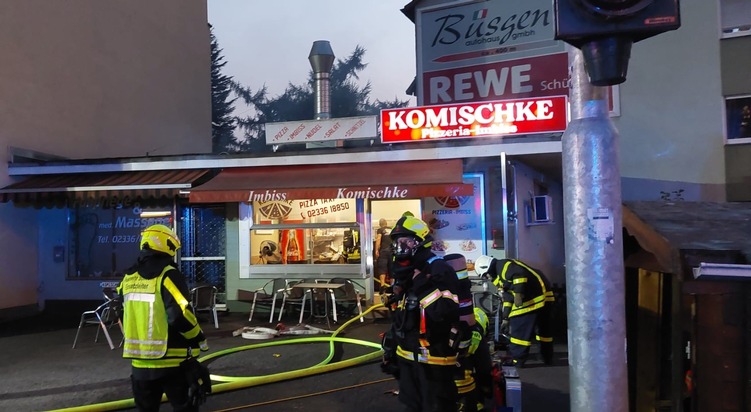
{"type": "Point", "coordinates": [322, 60]}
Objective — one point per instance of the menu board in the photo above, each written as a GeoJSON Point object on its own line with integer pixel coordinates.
{"type": "Point", "coordinates": [456, 222]}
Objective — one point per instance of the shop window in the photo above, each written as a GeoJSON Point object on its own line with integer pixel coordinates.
{"type": "Point", "coordinates": [317, 231]}
{"type": "Point", "coordinates": [738, 119]}
{"type": "Point", "coordinates": [105, 241]}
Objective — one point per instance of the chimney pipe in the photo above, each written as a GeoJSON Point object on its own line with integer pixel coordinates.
{"type": "Point", "coordinates": [321, 59]}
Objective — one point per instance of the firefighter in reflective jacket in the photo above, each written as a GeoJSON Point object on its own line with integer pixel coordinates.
{"type": "Point", "coordinates": [159, 325]}
{"type": "Point", "coordinates": [422, 345]}
{"type": "Point", "coordinates": [527, 303]}
{"type": "Point", "coordinates": [476, 381]}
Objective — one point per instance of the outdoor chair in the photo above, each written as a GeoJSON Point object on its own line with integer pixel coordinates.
{"type": "Point", "coordinates": [347, 298]}
{"type": "Point", "coordinates": [294, 297]}
{"type": "Point", "coordinates": [268, 295]}
{"type": "Point", "coordinates": [203, 299]}
{"type": "Point", "coordinates": [105, 316]}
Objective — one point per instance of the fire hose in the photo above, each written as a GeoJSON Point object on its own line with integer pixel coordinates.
{"type": "Point", "coordinates": [230, 383]}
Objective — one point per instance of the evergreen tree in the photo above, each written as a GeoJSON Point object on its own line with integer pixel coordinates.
{"type": "Point", "coordinates": [223, 123]}
{"type": "Point", "coordinates": [297, 102]}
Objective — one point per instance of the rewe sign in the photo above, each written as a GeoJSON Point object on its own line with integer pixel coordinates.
{"type": "Point", "coordinates": [493, 118]}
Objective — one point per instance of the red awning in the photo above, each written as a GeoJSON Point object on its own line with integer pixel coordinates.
{"type": "Point", "coordinates": [377, 180]}
{"type": "Point", "coordinates": [95, 188]}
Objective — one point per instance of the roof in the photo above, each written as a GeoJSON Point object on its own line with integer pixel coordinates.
{"type": "Point", "coordinates": [670, 230]}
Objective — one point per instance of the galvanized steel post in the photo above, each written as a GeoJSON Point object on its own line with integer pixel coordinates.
{"type": "Point", "coordinates": [595, 284]}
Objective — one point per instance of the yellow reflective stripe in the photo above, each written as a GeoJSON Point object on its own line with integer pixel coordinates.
{"type": "Point", "coordinates": [503, 271]}
{"type": "Point", "coordinates": [426, 358]}
{"type": "Point", "coordinates": [181, 300]}
{"type": "Point", "coordinates": [193, 332]}
{"type": "Point", "coordinates": [520, 342]}
{"type": "Point", "coordinates": [519, 280]}
{"type": "Point", "coordinates": [539, 279]}
{"type": "Point", "coordinates": [507, 304]}
{"type": "Point", "coordinates": [541, 339]}
{"type": "Point", "coordinates": [430, 298]}
{"type": "Point", "coordinates": [435, 295]}
{"type": "Point", "coordinates": [523, 310]}
{"type": "Point", "coordinates": [465, 384]}
{"type": "Point", "coordinates": [157, 363]}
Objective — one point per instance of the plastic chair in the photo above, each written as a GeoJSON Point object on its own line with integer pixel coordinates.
{"type": "Point", "coordinates": [203, 299]}
{"type": "Point", "coordinates": [267, 295]}
{"type": "Point", "coordinates": [347, 297]}
{"type": "Point", "coordinates": [104, 316]}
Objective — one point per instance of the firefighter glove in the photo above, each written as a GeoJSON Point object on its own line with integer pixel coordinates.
{"type": "Point", "coordinates": [504, 326]}
{"type": "Point", "coordinates": [475, 341]}
{"type": "Point", "coordinates": [199, 380]}
{"type": "Point", "coordinates": [518, 299]}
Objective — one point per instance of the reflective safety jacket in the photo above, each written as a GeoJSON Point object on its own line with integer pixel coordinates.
{"type": "Point", "coordinates": [514, 276]}
{"type": "Point", "coordinates": [427, 314]}
{"type": "Point", "coordinates": [158, 323]}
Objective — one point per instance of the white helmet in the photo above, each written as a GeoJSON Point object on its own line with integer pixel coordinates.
{"type": "Point", "coordinates": [482, 265]}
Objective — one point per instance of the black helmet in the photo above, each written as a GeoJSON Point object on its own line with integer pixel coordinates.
{"type": "Point", "coordinates": [409, 235]}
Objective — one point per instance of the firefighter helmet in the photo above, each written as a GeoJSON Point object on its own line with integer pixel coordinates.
{"type": "Point", "coordinates": [481, 319]}
{"type": "Point", "coordinates": [482, 265]}
{"type": "Point", "coordinates": [161, 239]}
{"type": "Point", "coordinates": [409, 235]}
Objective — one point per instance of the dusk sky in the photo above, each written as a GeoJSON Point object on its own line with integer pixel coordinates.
{"type": "Point", "coordinates": [268, 42]}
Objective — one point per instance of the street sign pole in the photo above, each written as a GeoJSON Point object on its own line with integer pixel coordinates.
{"type": "Point", "coordinates": [595, 284]}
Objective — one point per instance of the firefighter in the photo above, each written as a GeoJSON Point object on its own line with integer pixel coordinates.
{"type": "Point", "coordinates": [527, 304]}
{"type": "Point", "coordinates": [476, 381]}
{"type": "Point", "coordinates": [160, 328]}
{"type": "Point", "coordinates": [421, 346]}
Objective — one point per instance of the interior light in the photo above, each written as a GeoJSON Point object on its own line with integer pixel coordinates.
{"type": "Point", "coordinates": [155, 213]}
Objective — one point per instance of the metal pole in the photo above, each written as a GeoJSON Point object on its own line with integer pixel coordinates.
{"type": "Point", "coordinates": [595, 285]}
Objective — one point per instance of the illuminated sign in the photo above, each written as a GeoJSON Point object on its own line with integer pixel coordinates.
{"type": "Point", "coordinates": [342, 192]}
{"type": "Point", "coordinates": [494, 118]}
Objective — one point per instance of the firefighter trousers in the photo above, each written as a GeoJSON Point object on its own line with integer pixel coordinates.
{"type": "Point", "coordinates": [427, 388]}
{"type": "Point", "coordinates": [525, 329]}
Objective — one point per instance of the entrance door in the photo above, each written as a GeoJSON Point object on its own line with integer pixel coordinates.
{"type": "Point", "coordinates": [204, 245]}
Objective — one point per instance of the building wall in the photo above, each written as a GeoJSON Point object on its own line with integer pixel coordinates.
{"type": "Point", "coordinates": [18, 267]}
{"type": "Point", "coordinates": [539, 245]}
{"type": "Point", "coordinates": [92, 79]}
{"type": "Point", "coordinates": [671, 123]}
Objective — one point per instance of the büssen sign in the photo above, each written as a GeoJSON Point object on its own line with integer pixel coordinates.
{"type": "Point", "coordinates": [469, 120]}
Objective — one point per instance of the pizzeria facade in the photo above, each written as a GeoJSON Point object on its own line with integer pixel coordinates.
{"type": "Point", "coordinates": [245, 220]}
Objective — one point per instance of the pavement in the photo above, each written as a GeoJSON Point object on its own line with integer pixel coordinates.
{"type": "Point", "coordinates": [41, 371]}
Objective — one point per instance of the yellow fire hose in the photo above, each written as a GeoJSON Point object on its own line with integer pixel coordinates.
{"type": "Point", "coordinates": [233, 383]}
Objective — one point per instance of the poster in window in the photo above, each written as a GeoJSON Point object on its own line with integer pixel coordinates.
{"type": "Point", "coordinates": [738, 112]}
{"type": "Point", "coordinates": [293, 246]}
{"type": "Point", "coordinates": [456, 222]}
{"type": "Point", "coordinates": [105, 241]}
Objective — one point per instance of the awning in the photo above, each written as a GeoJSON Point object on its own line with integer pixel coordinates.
{"type": "Point", "coordinates": [85, 189]}
{"type": "Point", "coordinates": [377, 180]}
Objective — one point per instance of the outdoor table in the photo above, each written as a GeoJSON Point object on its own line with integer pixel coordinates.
{"type": "Point", "coordinates": [310, 286]}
